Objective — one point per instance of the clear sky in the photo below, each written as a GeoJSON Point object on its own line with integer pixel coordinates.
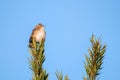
{"type": "Point", "coordinates": [69, 25]}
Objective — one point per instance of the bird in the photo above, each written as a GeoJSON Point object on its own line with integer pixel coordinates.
{"type": "Point", "coordinates": [38, 34]}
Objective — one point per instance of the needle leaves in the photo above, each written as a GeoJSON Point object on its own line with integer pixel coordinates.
{"type": "Point", "coordinates": [37, 60]}
{"type": "Point", "coordinates": [94, 60]}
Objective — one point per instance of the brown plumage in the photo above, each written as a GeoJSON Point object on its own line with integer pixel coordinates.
{"type": "Point", "coordinates": [38, 34]}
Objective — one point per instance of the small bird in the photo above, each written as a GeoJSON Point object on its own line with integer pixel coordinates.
{"type": "Point", "coordinates": [38, 34]}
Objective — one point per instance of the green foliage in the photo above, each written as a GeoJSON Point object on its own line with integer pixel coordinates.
{"type": "Point", "coordinates": [92, 64]}
{"type": "Point", "coordinates": [60, 76]}
{"type": "Point", "coordinates": [37, 60]}
{"type": "Point", "coordinates": [94, 60]}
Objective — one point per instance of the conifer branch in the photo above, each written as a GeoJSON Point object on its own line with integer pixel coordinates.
{"type": "Point", "coordinates": [37, 60]}
{"type": "Point", "coordinates": [60, 76]}
{"type": "Point", "coordinates": [94, 61]}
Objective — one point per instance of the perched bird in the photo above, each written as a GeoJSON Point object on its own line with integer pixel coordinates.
{"type": "Point", "coordinates": [38, 34]}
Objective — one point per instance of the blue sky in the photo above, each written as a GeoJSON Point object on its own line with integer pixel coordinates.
{"type": "Point", "coordinates": [69, 25]}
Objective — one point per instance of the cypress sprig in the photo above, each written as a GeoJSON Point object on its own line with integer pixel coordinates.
{"type": "Point", "coordinates": [37, 60]}
{"type": "Point", "coordinates": [59, 76]}
{"type": "Point", "coordinates": [94, 61]}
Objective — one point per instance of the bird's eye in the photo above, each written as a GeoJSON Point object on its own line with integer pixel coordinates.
{"type": "Point", "coordinates": [30, 40]}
